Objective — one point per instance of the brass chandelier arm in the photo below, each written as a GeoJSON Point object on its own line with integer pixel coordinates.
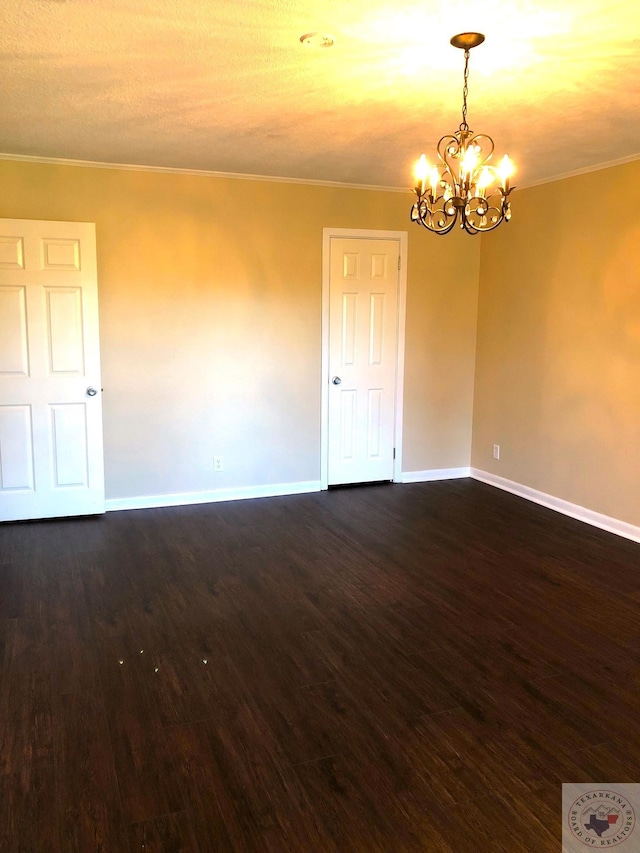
{"type": "Point", "coordinates": [477, 223]}
{"type": "Point", "coordinates": [434, 217]}
{"type": "Point", "coordinates": [476, 215]}
{"type": "Point", "coordinates": [449, 147]}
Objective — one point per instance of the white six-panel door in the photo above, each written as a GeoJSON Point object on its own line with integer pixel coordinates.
{"type": "Point", "coordinates": [51, 461]}
{"type": "Point", "coordinates": [363, 306]}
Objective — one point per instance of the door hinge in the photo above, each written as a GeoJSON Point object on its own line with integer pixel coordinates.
{"type": "Point", "coordinates": [398, 261]}
{"type": "Point", "coordinates": [394, 453]}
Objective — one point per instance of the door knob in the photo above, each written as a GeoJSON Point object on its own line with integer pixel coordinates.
{"type": "Point", "coordinates": [91, 392]}
{"type": "Point", "coordinates": [336, 380]}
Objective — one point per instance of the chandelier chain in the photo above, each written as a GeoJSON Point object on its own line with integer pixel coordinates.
{"type": "Point", "coordinates": [465, 92]}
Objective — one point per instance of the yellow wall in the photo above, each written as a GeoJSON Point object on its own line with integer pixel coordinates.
{"type": "Point", "coordinates": [558, 350]}
{"type": "Point", "coordinates": [210, 318]}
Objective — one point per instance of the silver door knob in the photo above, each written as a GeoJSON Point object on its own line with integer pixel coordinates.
{"type": "Point", "coordinates": [336, 380]}
{"type": "Point", "coordinates": [91, 392]}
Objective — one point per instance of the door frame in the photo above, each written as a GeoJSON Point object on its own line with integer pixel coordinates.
{"type": "Point", "coordinates": [363, 234]}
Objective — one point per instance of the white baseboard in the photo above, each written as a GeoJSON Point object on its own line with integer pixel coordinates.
{"type": "Point", "coordinates": [239, 493]}
{"type": "Point", "coordinates": [434, 474]}
{"type": "Point", "coordinates": [596, 519]}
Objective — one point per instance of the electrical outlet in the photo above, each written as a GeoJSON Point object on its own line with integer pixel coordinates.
{"type": "Point", "coordinates": [496, 451]}
{"type": "Point", "coordinates": [218, 463]}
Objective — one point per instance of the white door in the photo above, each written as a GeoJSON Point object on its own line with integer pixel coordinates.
{"type": "Point", "coordinates": [363, 333]}
{"type": "Point", "coordinates": [50, 402]}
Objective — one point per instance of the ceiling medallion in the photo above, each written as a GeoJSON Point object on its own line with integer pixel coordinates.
{"type": "Point", "coordinates": [463, 187]}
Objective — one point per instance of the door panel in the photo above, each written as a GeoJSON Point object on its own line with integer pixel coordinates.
{"type": "Point", "coordinates": [64, 330]}
{"type": "Point", "coordinates": [363, 334]}
{"type": "Point", "coordinates": [50, 428]}
{"type": "Point", "coordinates": [16, 441]}
{"type": "Point", "coordinates": [14, 357]}
{"type": "Point", "coordinates": [69, 444]}
{"type": "Point", "coordinates": [375, 426]}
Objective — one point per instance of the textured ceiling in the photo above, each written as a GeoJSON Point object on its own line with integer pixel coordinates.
{"type": "Point", "coordinates": [226, 86]}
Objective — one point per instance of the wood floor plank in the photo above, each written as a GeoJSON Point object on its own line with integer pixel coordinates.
{"type": "Point", "coordinates": [26, 736]}
{"type": "Point", "coordinates": [28, 817]}
{"type": "Point", "coordinates": [171, 833]}
{"type": "Point", "coordinates": [87, 795]}
{"type": "Point", "coordinates": [105, 593]}
{"type": "Point", "coordinates": [145, 767]}
{"type": "Point", "coordinates": [241, 794]}
{"type": "Point", "coordinates": [360, 811]}
{"type": "Point", "coordinates": [7, 628]}
{"type": "Point", "coordinates": [11, 590]}
{"type": "Point", "coordinates": [73, 656]}
{"type": "Point", "coordinates": [310, 722]}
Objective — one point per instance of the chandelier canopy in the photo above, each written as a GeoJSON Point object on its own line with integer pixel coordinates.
{"type": "Point", "coordinates": [463, 187]}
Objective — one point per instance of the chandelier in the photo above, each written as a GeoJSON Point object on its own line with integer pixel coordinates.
{"type": "Point", "coordinates": [463, 187]}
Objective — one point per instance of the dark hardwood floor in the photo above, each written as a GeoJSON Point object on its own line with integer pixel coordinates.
{"type": "Point", "coordinates": [391, 668]}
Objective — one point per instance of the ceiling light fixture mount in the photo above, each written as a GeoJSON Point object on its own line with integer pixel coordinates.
{"type": "Point", "coordinates": [463, 187]}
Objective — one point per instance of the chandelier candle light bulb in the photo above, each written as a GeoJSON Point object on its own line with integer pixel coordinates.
{"type": "Point", "coordinates": [483, 182]}
{"type": "Point", "coordinates": [505, 170]}
{"type": "Point", "coordinates": [434, 180]}
{"type": "Point", "coordinates": [475, 194]}
{"type": "Point", "coordinates": [469, 164]}
{"type": "Point", "coordinates": [420, 171]}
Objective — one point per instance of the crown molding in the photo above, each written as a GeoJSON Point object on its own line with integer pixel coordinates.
{"type": "Point", "coordinates": [166, 170]}
{"type": "Point", "coordinates": [585, 170]}
{"type": "Point", "coordinates": [276, 179]}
